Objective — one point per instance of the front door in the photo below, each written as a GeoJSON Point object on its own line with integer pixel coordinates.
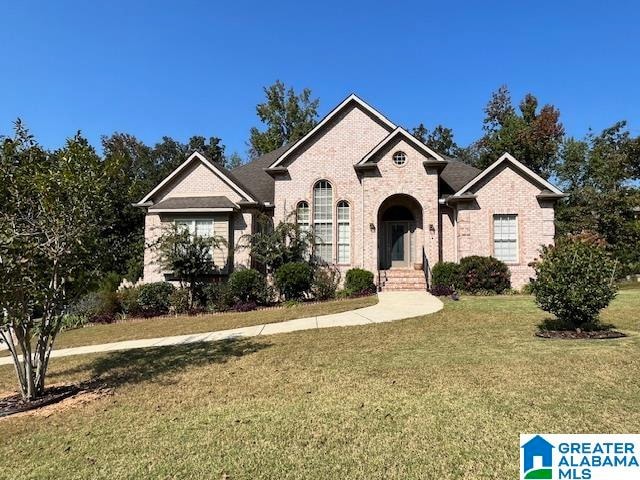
{"type": "Point", "coordinates": [399, 243]}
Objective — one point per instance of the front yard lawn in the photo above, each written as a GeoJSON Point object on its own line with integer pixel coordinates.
{"type": "Point", "coordinates": [441, 396]}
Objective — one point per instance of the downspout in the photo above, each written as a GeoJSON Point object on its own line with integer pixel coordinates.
{"type": "Point", "coordinates": [362, 215]}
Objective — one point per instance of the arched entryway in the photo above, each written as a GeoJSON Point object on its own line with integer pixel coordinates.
{"type": "Point", "coordinates": [399, 232]}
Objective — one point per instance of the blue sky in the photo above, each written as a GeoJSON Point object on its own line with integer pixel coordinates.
{"type": "Point", "coordinates": [186, 68]}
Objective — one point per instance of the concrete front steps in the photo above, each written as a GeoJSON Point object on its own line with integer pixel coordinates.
{"type": "Point", "coordinates": [401, 279]}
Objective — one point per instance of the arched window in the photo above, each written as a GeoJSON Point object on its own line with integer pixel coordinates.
{"type": "Point", "coordinates": [344, 233]}
{"type": "Point", "coordinates": [302, 216]}
{"type": "Point", "coordinates": [323, 220]}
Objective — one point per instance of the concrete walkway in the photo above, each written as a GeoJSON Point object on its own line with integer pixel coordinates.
{"type": "Point", "coordinates": [390, 307]}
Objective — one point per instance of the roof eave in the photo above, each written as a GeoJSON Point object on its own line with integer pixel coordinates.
{"type": "Point", "coordinates": [275, 171]}
{"type": "Point", "coordinates": [439, 164]}
{"type": "Point", "coordinates": [365, 167]}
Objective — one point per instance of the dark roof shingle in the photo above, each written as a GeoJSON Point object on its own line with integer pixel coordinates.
{"type": "Point", "coordinates": [179, 203]}
{"type": "Point", "coordinates": [253, 177]}
{"type": "Point", "coordinates": [457, 173]}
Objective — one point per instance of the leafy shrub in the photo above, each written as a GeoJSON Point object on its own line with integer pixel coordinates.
{"type": "Point", "coordinates": [179, 301]}
{"type": "Point", "coordinates": [359, 281]}
{"type": "Point", "coordinates": [342, 294]}
{"type": "Point", "coordinates": [153, 298]}
{"type": "Point", "coordinates": [484, 274]}
{"type": "Point", "coordinates": [218, 297]}
{"type": "Point", "coordinates": [574, 280]}
{"type": "Point", "coordinates": [446, 274]}
{"type": "Point", "coordinates": [96, 307]}
{"type": "Point", "coordinates": [441, 290]}
{"type": "Point", "coordinates": [325, 282]}
{"type": "Point", "coordinates": [249, 285]}
{"type": "Point", "coordinates": [128, 301]}
{"type": "Point", "coordinates": [294, 279]}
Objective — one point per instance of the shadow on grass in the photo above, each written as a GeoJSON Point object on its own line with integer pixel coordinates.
{"type": "Point", "coordinates": [158, 363]}
{"type": "Point", "coordinates": [556, 324]}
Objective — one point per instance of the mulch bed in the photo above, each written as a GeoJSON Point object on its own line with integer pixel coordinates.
{"type": "Point", "coordinates": [15, 404]}
{"type": "Point", "coordinates": [53, 395]}
{"type": "Point", "coordinates": [580, 334]}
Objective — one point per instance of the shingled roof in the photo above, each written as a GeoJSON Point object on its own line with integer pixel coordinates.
{"type": "Point", "coordinates": [457, 173]}
{"type": "Point", "coordinates": [194, 203]}
{"type": "Point", "coordinates": [252, 175]}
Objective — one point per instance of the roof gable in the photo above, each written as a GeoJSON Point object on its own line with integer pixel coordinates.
{"type": "Point", "coordinates": [220, 172]}
{"type": "Point", "coordinates": [508, 158]}
{"type": "Point", "coordinates": [347, 102]}
{"type": "Point", "coordinates": [400, 132]}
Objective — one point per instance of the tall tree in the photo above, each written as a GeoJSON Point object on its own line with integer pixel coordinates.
{"type": "Point", "coordinates": [288, 117]}
{"type": "Point", "coordinates": [600, 174]}
{"type": "Point", "coordinates": [533, 136]}
{"type": "Point", "coordinates": [49, 228]}
{"type": "Point", "coordinates": [439, 139]}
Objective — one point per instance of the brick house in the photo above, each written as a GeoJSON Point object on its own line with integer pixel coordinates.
{"type": "Point", "coordinates": [374, 195]}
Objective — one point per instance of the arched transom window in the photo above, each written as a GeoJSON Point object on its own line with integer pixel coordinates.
{"type": "Point", "coordinates": [344, 233]}
{"type": "Point", "coordinates": [323, 220]}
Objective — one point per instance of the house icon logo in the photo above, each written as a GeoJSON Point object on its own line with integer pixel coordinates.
{"type": "Point", "coordinates": [536, 459]}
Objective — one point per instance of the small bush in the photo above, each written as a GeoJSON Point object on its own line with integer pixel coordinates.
{"type": "Point", "coordinates": [179, 301]}
{"type": "Point", "coordinates": [153, 298]}
{"type": "Point", "coordinates": [218, 297]}
{"type": "Point", "coordinates": [96, 307]}
{"type": "Point", "coordinates": [128, 301]}
{"type": "Point", "coordinates": [447, 274]}
{"type": "Point", "coordinates": [325, 282]}
{"type": "Point", "coordinates": [294, 279]}
{"type": "Point", "coordinates": [342, 294]}
{"type": "Point", "coordinates": [441, 290]}
{"type": "Point", "coordinates": [249, 285]}
{"type": "Point", "coordinates": [359, 282]}
{"type": "Point", "coordinates": [484, 274]}
{"type": "Point", "coordinates": [574, 280]}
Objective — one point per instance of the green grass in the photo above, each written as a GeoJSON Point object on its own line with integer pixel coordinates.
{"type": "Point", "coordinates": [441, 396]}
{"type": "Point", "coordinates": [167, 326]}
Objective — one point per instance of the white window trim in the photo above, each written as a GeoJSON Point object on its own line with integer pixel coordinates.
{"type": "Point", "coordinates": [349, 222]}
{"type": "Point", "coordinates": [493, 237]}
{"type": "Point", "coordinates": [332, 222]}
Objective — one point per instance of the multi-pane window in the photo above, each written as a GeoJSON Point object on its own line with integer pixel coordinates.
{"type": "Point", "coordinates": [201, 228]}
{"type": "Point", "coordinates": [399, 158]}
{"type": "Point", "coordinates": [505, 238]}
{"type": "Point", "coordinates": [302, 216]}
{"type": "Point", "coordinates": [344, 233]}
{"type": "Point", "coordinates": [323, 220]}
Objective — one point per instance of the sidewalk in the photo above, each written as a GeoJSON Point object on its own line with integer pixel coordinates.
{"type": "Point", "coordinates": [390, 307]}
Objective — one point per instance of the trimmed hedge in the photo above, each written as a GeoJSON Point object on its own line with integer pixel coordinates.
{"type": "Point", "coordinates": [359, 281]}
{"type": "Point", "coordinates": [446, 274]}
{"type": "Point", "coordinates": [294, 280]}
{"type": "Point", "coordinates": [484, 274]}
